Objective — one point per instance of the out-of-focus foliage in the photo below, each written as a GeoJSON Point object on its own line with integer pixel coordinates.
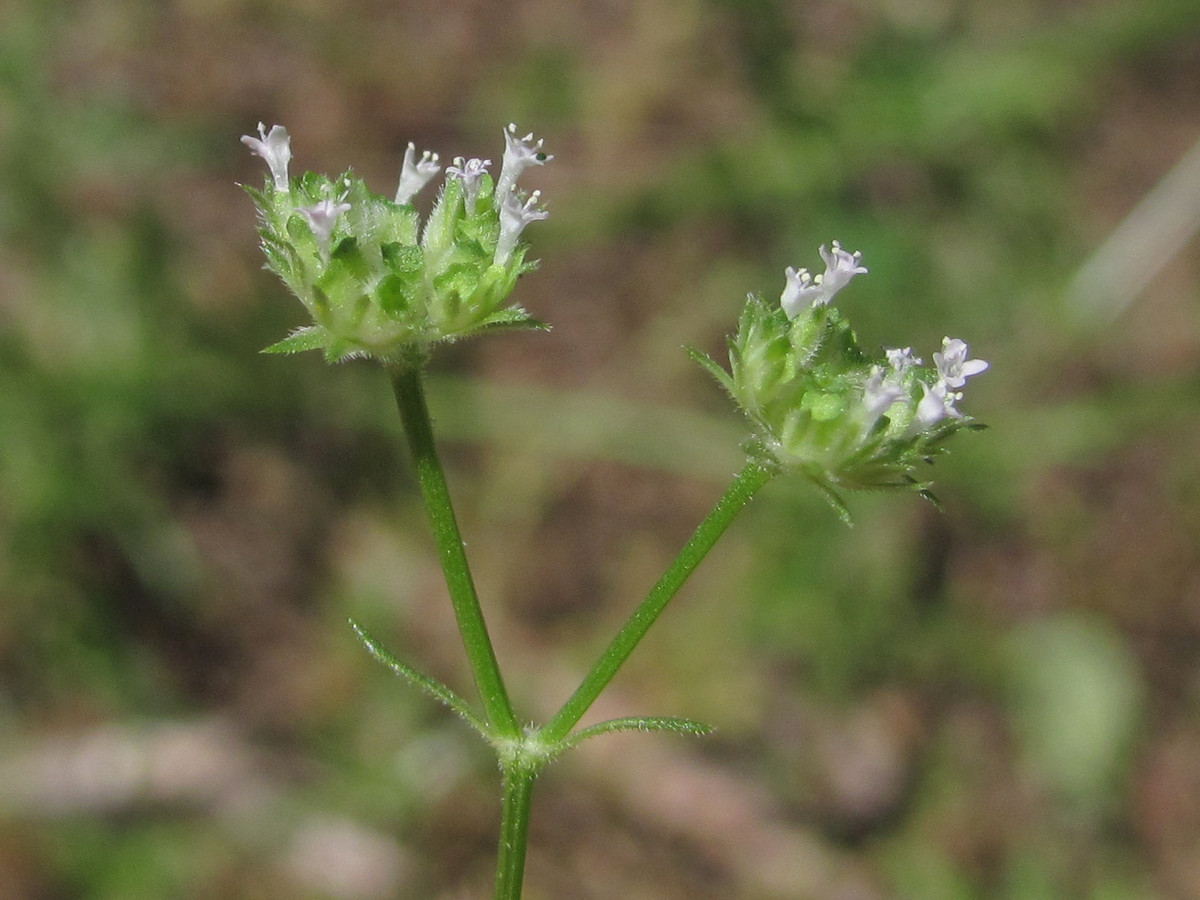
{"type": "Point", "coordinates": [994, 702]}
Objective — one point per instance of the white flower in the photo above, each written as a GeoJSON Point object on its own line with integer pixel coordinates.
{"type": "Point", "coordinates": [799, 292]}
{"type": "Point", "coordinates": [804, 289]}
{"type": "Point", "coordinates": [519, 155]}
{"type": "Point", "coordinates": [879, 393]}
{"type": "Point", "coordinates": [415, 174]}
{"type": "Point", "coordinates": [840, 267]}
{"type": "Point", "coordinates": [322, 217]}
{"type": "Point", "coordinates": [276, 148]}
{"type": "Point", "coordinates": [936, 404]}
{"type": "Point", "coordinates": [952, 364]}
{"type": "Point", "coordinates": [470, 172]}
{"type": "Point", "coordinates": [901, 360]}
{"type": "Point", "coordinates": [514, 216]}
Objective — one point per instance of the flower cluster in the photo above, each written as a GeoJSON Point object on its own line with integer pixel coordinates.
{"type": "Point", "coordinates": [377, 281]}
{"type": "Point", "coordinates": [821, 406]}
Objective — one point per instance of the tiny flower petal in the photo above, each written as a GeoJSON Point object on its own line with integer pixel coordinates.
{"type": "Point", "coordinates": [936, 404]}
{"type": "Point", "coordinates": [800, 291]}
{"type": "Point", "coordinates": [514, 216]}
{"type": "Point", "coordinates": [321, 219]}
{"type": "Point", "coordinates": [519, 154]}
{"type": "Point", "coordinates": [415, 174]}
{"type": "Point", "coordinates": [952, 364]}
{"type": "Point", "coordinates": [276, 148]}
{"type": "Point", "coordinates": [879, 394]}
{"type": "Point", "coordinates": [901, 360]}
{"type": "Point", "coordinates": [840, 267]}
{"type": "Point", "coordinates": [803, 288]}
{"type": "Point", "coordinates": [470, 172]}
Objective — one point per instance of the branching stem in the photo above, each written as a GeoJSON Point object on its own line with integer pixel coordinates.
{"type": "Point", "coordinates": [747, 483]}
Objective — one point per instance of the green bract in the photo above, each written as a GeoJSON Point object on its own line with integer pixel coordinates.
{"type": "Point", "coordinates": [377, 282]}
{"type": "Point", "coordinates": [822, 407]}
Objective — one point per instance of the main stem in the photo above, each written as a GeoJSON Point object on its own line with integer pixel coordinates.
{"type": "Point", "coordinates": [745, 485]}
{"type": "Point", "coordinates": [514, 829]}
{"type": "Point", "coordinates": [409, 389]}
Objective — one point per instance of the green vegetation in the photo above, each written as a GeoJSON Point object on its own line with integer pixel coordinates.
{"type": "Point", "coordinates": [997, 701]}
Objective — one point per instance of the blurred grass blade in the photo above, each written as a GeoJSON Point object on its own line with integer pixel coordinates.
{"type": "Point", "coordinates": [1139, 248]}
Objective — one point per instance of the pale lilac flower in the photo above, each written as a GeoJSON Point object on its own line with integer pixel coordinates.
{"type": "Point", "coordinates": [276, 148]}
{"type": "Point", "coordinates": [415, 174]}
{"type": "Point", "coordinates": [800, 291]}
{"type": "Point", "coordinates": [901, 360]}
{"type": "Point", "coordinates": [519, 154]}
{"type": "Point", "coordinates": [470, 172]}
{"type": "Point", "coordinates": [952, 364]}
{"type": "Point", "coordinates": [805, 289]}
{"type": "Point", "coordinates": [514, 216]}
{"type": "Point", "coordinates": [879, 393]}
{"type": "Point", "coordinates": [322, 217]}
{"type": "Point", "coordinates": [840, 267]}
{"type": "Point", "coordinates": [936, 404]}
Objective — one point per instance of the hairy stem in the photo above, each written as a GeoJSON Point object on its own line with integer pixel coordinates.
{"type": "Point", "coordinates": [514, 829]}
{"type": "Point", "coordinates": [409, 389]}
{"type": "Point", "coordinates": [745, 486]}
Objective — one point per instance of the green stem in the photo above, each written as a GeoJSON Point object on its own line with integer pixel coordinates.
{"type": "Point", "coordinates": [514, 830]}
{"type": "Point", "coordinates": [745, 485]}
{"type": "Point", "coordinates": [414, 413]}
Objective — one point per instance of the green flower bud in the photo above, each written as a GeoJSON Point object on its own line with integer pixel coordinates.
{"type": "Point", "coordinates": [822, 407]}
{"type": "Point", "coordinates": [377, 282]}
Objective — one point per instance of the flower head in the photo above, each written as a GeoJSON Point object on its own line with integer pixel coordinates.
{"type": "Point", "coordinates": [276, 148]}
{"type": "Point", "coordinates": [378, 278]}
{"type": "Point", "coordinates": [470, 172]}
{"type": "Point", "coordinates": [519, 154]}
{"type": "Point", "coordinates": [804, 290]}
{"type": "Point", "coordinates": [514, 216]}
{"type": "Point", "coordinates": [952, 364]}
{"type": "Point", "coordinates": [415, 174]}
{"type": "Point", "coordinates": [820, 405]}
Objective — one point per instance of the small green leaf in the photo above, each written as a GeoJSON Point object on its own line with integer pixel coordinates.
{"type": "Point", "coordinates": [639, 723]}
{"type": "Point", "coordinates": [431, 686]}
{"type": "Point", "coordinates": [312, 337]}
{"type": "Point", "coordinates": [932, 498]}
{"type": "Point", "coordinates": [834, 499]}
{"type": "Point", "coordinates": [512, 320]}
{"type": "Point", "coordinates": [711, 366]}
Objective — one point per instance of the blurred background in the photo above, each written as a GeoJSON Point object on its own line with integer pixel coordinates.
{"type": "Point", "coordinates": [1001, 700]}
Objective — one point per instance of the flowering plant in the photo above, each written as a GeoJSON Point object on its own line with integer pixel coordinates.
{"type": "Point", "coordinates": [376, 281]}
{"type": "Point", "coordinates": [380, 283]}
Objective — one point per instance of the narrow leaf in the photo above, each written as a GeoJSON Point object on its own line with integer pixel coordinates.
{"type": "Point", "coordinates": [431, 686]}
{"type": "Point", "coordinates": [639, 723]}
{"type": "Point", "coordinates": [513, 320]}
{"type": "Point", "coordinates": [932, 498]}
{"type": "Point", "coordinates": [834, 499]}
{"type": "Point", "coordinates": [710, 365]}
{"type": "Point", "coordinates": [311, 338]}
